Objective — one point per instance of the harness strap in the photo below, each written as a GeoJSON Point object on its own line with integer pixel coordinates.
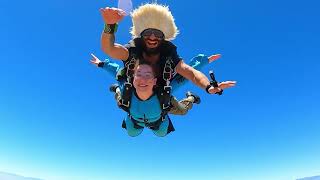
{"type": "Point", "coordinates": [165, 92]}
{"type": "Point", "coordinates": [151, 125]}
{"type": "Point", "coordinates": [126, 96]}
{"type": "Point", "coordinates": [165, 97]}
{"type": "Point", "coordinates": [154, 125]}
{"type": "Point", "coordinates": [167, 71]}
{"type": "Point", "coordinates": [127, 91]}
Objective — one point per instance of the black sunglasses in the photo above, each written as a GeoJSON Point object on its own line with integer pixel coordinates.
{"type": "Point", "coordinates": [148, 32]}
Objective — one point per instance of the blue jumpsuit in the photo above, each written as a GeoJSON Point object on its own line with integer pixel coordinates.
{"type": "Point", "coordinates": [145, 111]}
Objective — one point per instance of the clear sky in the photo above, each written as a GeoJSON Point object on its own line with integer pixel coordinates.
{"type": "Point", "coordinates": [59, 122]}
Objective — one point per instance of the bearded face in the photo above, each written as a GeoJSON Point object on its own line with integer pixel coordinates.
{"type": "Point", "coordinates": [152, 39]}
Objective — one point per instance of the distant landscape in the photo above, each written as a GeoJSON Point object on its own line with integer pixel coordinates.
{"type": "Point", "coordinates": [311, 178]}
{"type": "Point", "coordinates": [9, 176]}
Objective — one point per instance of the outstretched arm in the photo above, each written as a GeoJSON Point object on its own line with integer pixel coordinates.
{"type": "Point", "coordinates": [192, 74]}
{"type": "Point", "coordinates": [199, 79]}
{"type": "Point", "coordinates": [112, 16]}
{"type": "Point", "coordinates": [197, 62]}
{"type": "Point", "coordinates": [107, 65]}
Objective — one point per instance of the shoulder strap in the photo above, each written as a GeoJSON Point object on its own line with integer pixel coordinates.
{"type": "Point", "coordinates": [164, 92]}
{"type": "Point", "coordinates": [125, 101]}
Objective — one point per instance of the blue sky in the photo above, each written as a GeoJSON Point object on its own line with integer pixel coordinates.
{"type": "Point", "coordinates": [59, 122]}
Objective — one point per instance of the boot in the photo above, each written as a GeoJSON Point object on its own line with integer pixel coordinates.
{"type": "Point", "coordinates": [113, 87]}
{"type": "Point", "coordinates": [196, 98]}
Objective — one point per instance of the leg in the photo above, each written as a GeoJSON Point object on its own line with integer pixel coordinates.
{"type": "Point", "coordinates": [132, 131]}
{"type": "Point", "coordinates": [163, 129]}
{"type": "Point", "coordinates": [183, 106]}
{"type": "Point", "coordinates": [117, 92]}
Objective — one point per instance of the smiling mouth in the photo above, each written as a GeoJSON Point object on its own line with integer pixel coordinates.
{"type": "Point", "coordinates": [152, 43]}
{"type": "Point", "coordinates": [142, 85]}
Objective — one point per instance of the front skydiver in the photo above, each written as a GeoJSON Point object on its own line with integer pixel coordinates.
{"type": "Point", "coordinates": [177, 107]}
{"type": "Point", "coordinates": [145, 107]}
{"type": "Point", "coordinates": [145, 104]}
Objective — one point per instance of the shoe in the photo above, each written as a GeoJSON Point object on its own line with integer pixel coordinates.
{"type": "Point", "coordinates": [113, 87]}
{"type": "Point", "coordinates": [197, 99]}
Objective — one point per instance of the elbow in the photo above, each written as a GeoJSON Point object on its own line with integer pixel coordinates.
{"type": "Point", "coordinates": [106, 49]}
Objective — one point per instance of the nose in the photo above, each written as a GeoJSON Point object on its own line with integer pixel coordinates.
{"type": "Point", "coordinates": [152, 37]}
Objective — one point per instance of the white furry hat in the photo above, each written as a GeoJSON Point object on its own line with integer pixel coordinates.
{"type": "Point", "coordinates": [153, 16]}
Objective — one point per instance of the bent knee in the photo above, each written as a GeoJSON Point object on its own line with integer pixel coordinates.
{"type": "Point", "coordinates": [133, 132]}
{"type": "Point", "coordinates": [160, 134]}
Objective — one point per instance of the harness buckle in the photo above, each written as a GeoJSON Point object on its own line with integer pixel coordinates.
{"type": "Point", "coordinates": [167, 89]}
{"type": "Point", "coordinates": [163, 118]}
{"type": "Point", "coordinates": [165, 106]}
{"type": "Point", "coordinates": [126, 104]}
{"type": "Point", "coordinates": [130, 69]}
{"type": "Point", "coordinates": [130, 66]}
{"type": "Point", "coordinates": [167, 71]}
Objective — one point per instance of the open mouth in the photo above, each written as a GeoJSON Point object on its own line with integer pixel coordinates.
{"type": "Point", "coordinates": [152, 43]}
{"type": "Point", "coordinates": [142, 85]}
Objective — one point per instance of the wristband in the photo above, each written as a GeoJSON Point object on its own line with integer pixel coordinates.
{"type": "Point", "coordinates": [110, 28]}
{"type": "Point", "coordinates": [208, 87]}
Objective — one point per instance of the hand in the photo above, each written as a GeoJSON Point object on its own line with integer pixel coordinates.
{"type": "Point", "coordinates": [112, 15]}
{"type": "Point", "coordinates": [95, 60]}
{"type": "Point", "coordinates": [214, 57]}
{"type": "Point", "coordinates": [227, 84]}
{"type": "Point", "coordinates": [222, 85]}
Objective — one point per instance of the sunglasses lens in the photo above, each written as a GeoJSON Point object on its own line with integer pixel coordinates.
{"type": "Point", "coordinates": [157, 33]}
{"type": "Point", "coordinates": [147, 32]}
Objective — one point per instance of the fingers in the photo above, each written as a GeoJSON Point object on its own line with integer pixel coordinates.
{"type": "Point", "coordinates": [227, 84]}
{"type": "Point", "coordinates": [94, 56]}
{"type": "Point", "coordinates": [103, 10]}
{"type": "Point", "coordinates": [94, 59]}
{"type": "Point", "coordinates": [230, 82]}
{"type": "Point", "coordinates": [214, 57]}
{"type": "Point", "coordinates": [112, 15]}
{"type": "Point", "coordinates": [120, 12]}
{"type": "Point", "coordinates": [213, 90]}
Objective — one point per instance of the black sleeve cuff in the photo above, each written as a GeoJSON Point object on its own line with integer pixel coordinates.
{"type": "Point", "coordinates": [101, 64]}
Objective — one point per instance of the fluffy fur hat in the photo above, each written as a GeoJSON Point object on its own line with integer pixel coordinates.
{"type": "Point", "coordinates": [153, 16]}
